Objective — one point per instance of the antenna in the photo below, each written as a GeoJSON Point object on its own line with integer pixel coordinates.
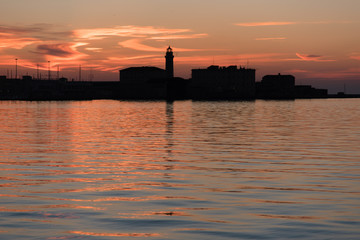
{"type": "Point", "coordinates": [91, 75]}
{"type": "Point", "coordinates": [80, 72]}
{"type": "Point", "coordinates": [37, 70]}
{"type": "Point", "coordinates": [16, 68]}
{"type": "Point", "coordinates": [49, 70]}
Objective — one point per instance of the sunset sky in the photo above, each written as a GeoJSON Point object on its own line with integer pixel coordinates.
{"type": "Point", "coordinates": [318, 41]}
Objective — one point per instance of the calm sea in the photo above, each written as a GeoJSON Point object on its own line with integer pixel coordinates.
{"type": "Point", "coordinates": [182, 170]}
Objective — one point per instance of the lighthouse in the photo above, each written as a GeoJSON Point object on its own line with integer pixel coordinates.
{"type": "Point", "coordinates": [169, 68]}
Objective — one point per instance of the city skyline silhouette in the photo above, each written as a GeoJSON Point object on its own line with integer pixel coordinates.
{"type": "Point", "coordinates": [317, 43]}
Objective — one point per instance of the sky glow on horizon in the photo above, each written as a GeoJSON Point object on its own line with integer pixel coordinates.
{"type": "Point", "coordinates": [316, 41]}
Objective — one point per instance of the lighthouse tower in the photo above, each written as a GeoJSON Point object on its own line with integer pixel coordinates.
{"type": "Point", "coordinates": [169, 68]}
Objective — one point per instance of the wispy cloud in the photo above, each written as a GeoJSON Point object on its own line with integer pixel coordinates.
{"type": "Point", "coordinates": [61, 51]}
{"type": "Point", "coordinates": [137, 44]}
{"type": "Point", "coordinates": [44, 42]}
{"type": "Point", "coordinates": [313, 58]}
{"type": "Point", "coordinates": [171, 37]}
{"type": "Point", "coordinates": [233, 59]}
{"type": "Point", "coordinates": [94, 49]}
{"type": "Point", "coordinates": [12, 41]}
{"type": "Point", "coordinates": [270, 38]}
{"type": "Point", "coordinates": [274, 23]}
{"type": "Point", "coordinates": [355, 56]}
{"type": "Point", "coordinates": [298, 71]}
{"type": "Point", "coordinates": [124, 31]}
{"type": "Point", "coordinates": [260, 24]}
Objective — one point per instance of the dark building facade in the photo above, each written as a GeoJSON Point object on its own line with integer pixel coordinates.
{"type": "Point", "coordinates": [307, 91]}
{"type": "Point", "coordinates": [142, 83]}
{"type": "Point", "coordinates": [224, 83]}
{"type": "Point", "coordinates": [141, 75]}
{"type": "Point", "coordinates": [276, 87]}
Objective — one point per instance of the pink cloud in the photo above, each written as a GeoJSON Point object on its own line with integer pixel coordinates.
{"type": "Point", "coordinates": [271, 23]}
{"type": "Point", "coordinates": [298, 71]}
{"type": "Point", "coordinates": [260, 24]}
{"type": "Point", "coordinates": [270, 38]}
{"type": "Point", "coordinates": [356, 57]}
{"type": "Point", "coordinates": [313, 58]}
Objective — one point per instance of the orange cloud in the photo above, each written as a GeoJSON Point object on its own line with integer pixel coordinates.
{"type": "Point", "coordinates": [313, 58]}
{"type": "Point", "coordinates": [142, 60]}
{"type": "Point", "coordinates": [9, 40]}
{"type": "Point", "coordinates": [94, 49]}
{"type": "Point", "coordinates": [124, 31]}
{"type": "Point", "coordinates": [136, 44]}
{"type": "Point", "coordinates": [171, 37]}
{"type": "Point", "coordinates": [356, 57]}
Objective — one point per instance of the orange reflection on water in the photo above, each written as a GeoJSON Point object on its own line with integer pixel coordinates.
{"type": "Point", "coordinates": [14, 210]}
{"type": "Point", "coordinates": [71, 206]}
{"type": "Point", "coordinates": [140, 199]}
{"type": "Point", "coordinates": [115, 234]}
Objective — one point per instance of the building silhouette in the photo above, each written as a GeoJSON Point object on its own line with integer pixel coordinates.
{"type": "Point", "coordinates": [141, 75]}
{"type": "Point", "coordinates": [276, 87]}
{"type": "Point", "coordinates": [307, 91]}
{"type": "Point", "coordinates": [152, 82]}
{"type": "Point", "coordinates": [283, 87]}
{"type": "Point", "coordinates": [148, 82]}
{"type": "Point", "coordinates": [217, 82]}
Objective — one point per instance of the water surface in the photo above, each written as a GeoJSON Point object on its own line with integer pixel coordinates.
{"type": "Point", "coordinates": [182, 170]}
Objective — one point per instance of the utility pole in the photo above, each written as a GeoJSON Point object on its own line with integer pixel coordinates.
{"type": "Point", "coordinates": [16, 68]}
{"type": "Point", "coordinates": [49, 69]}
{"type": "Point", "coordinates": [80, 72]}
{"type": "Point", "coordinates": [37, 71]}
